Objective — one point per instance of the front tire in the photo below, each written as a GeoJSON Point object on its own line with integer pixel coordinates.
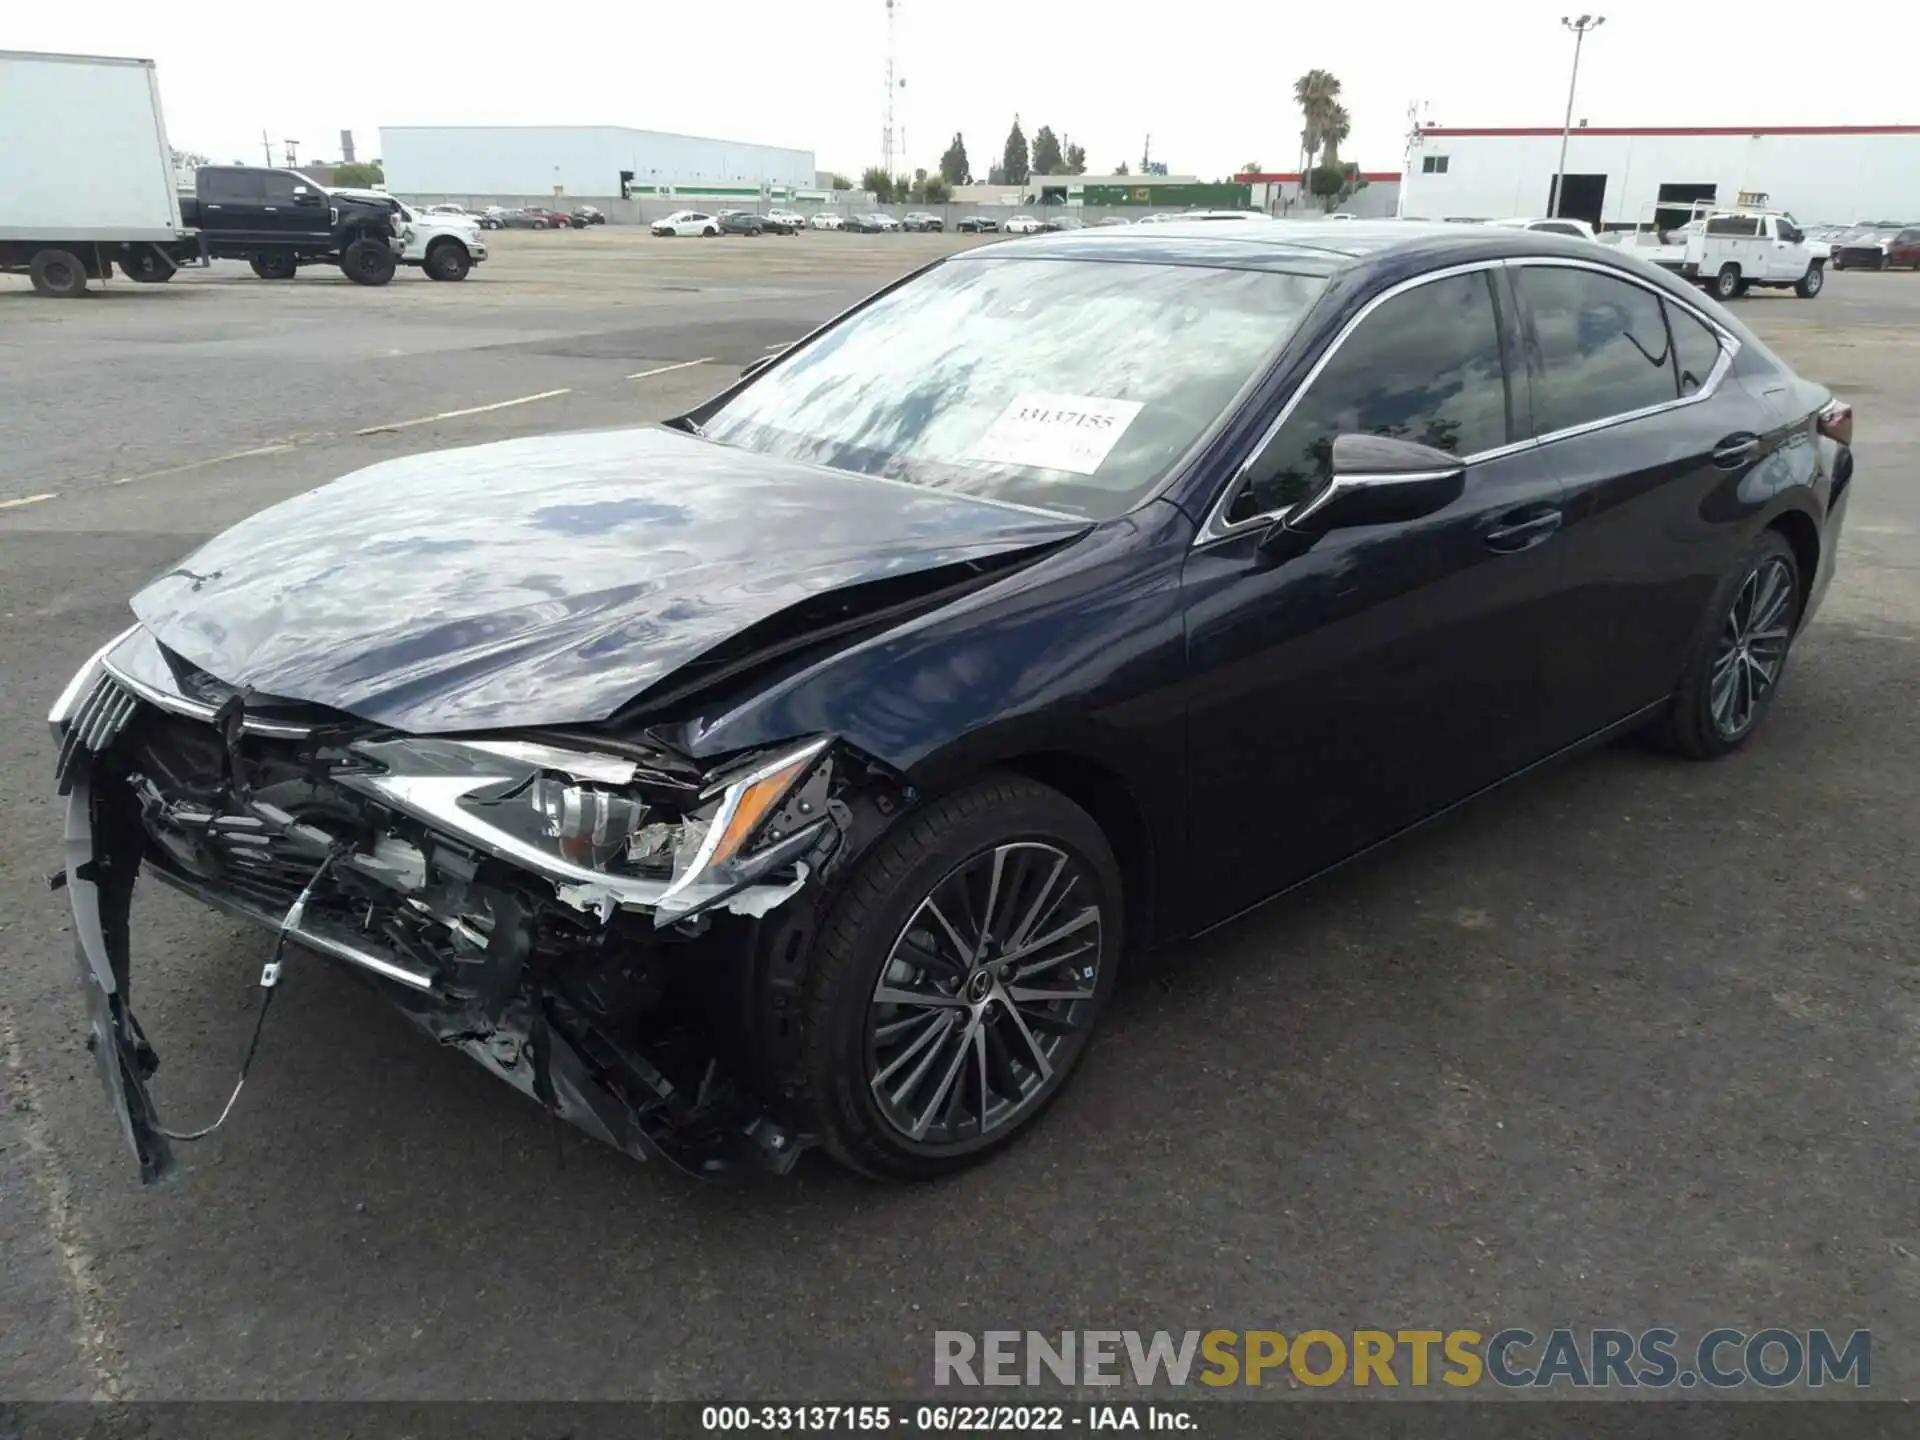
{"type": "Point", "coordinates": [368, 261]}
{"type": "Point", "coordinates": [956, 982]}
{"type": "Point", "coordinates": [448, 260]}
{"type": "Point", "coordinates": [1738, 654]}
{"type": "Point", "coordinates": [1808, 285]}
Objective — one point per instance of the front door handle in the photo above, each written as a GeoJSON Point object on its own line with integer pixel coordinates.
{"type": "Point", "coordinates": [1735, 451]}
{"type": "Point", "coordinates": [1512, 533]}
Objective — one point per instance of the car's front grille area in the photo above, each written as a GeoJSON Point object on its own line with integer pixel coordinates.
{"type": "Point", "coordinates": [95, 724]}
{"type": "Point", "coordinates": [248, 824]}
{"type": "Point", "coordinates": [1862, 257]}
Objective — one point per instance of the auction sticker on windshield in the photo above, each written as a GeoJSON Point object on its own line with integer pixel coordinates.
{"type": "Point", "coordinates": [1056, 432]}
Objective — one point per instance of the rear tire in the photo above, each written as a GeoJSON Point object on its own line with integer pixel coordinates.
{"type": "Point", "coordinates": [146, 267]}
{"type": "Point", "coordinates": [273, 265]}
{"type": "Point", "coordinates": [368, 261]}
{"type": "Point", "coordinates": [1003, 1075]}
{"type": "Point", "coordinates": [1808, 285]}
{"type": "Point", "coordinates": [447, 260]}
{"type": "Point", "coordinates": [1726, 688]}
{"type": "Point", "coordinates": [59, 273]}
{"type": "Point", "coordinates": [1726, 284]}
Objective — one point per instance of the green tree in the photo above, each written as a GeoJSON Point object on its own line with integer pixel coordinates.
{"type": "Point", "coordinates": [876, 180]}
{"type": "Point", "coordinates": [997, 175]}
{"type": "Point", "coordinates": [1317, 93]}
{"type": "Point", "coordinates": [841, 182]}
{"type": "Point", "coordinates": [1121, 169]}
{"type": "Point", "coordinates": [1076, 159]}
{"type": "Point", "coordinates": [358, 175]}
{"type": "Point", "coordinates": [1013, 160]}
{"type": "Point", "coordinates": [953, 164]}
{"type": "Point", "coordinates": [1047, 159]}
{"type": "Point", "coordinates": [1334, 129]}
{"type": "Point", "coordinates": [938, 191]}
{"type": "Point", "coordinates": [1252, 167]}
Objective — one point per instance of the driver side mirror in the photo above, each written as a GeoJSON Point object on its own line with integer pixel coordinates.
{"type": "Point", "coordinates": [303, 196]}
{"type": "Point", "coordinates": [1377, 480]}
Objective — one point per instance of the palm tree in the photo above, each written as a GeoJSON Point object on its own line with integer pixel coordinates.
{"type": "Point", "coordinates": [1334, 129]}
{"type": "Point", "coordinates": [1317, 93]}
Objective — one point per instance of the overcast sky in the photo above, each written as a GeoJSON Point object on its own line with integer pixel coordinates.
{"type": "Point", "coordinates": [1210, 79]}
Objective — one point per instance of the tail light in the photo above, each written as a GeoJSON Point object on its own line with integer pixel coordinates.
{"type": "Point", "coordinates": [1836, 422]}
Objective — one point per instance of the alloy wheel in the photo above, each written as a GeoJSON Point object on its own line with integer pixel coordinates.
{"type": "Point", "coordinates": [1753, 648]}
{"type": "Point", "coordinates": [987, 995]}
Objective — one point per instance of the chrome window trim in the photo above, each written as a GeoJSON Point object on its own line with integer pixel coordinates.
{"type": "Point", "coordinates": [1360, 481]}
{"type": "Point", "coordinates": [1217, 528]}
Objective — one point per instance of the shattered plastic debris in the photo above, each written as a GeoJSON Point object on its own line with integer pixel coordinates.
{"type": "Point", "coordinates": [755, 902]}
{"type": "Point", "coordinates": [598, 900]}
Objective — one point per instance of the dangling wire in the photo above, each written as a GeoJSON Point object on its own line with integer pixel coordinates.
{"type": "Point", "coordinates": [269, 981]}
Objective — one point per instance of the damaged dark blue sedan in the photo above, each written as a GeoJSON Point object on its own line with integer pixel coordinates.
{"type": "Point", "coordinates": [802, 771]}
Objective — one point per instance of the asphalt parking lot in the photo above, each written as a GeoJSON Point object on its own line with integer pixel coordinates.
{"type": "Point", "coordinates": [1636, 1043]}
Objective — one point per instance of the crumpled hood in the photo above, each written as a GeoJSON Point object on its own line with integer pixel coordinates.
{"type": "Point", "coordinates": [547, 580]}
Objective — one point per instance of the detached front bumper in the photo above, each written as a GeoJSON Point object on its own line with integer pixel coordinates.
{"type": "Point", "coordinates": [566, 991]}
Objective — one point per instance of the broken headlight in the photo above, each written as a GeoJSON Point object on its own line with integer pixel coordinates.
{"type": "Point", "coordinates": [580, 818]}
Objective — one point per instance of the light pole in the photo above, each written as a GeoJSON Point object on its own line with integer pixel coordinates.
{"type": "Point", "coordinates": [1579, 27]}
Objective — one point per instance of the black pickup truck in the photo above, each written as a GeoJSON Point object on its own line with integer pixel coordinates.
{"type": "Point", "coordinates": [279, 220]}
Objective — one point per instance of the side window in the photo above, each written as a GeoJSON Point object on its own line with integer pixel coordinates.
{"type": "Point", "coordinates": [235, 185]}
{"type": "Point", "coordinates": [1696, 348]}
{"type": "Point", "coordinates": [1738, 226]}
{"type": "Point", "coordinates": [1603, 346]}
{"type": "Point", "coordinates": [1424, 366]}
{"type": "Point", "coordinates": [1433, 164]}
{"type": "Point", "coordinates": [279, 187]}
{"type": "Point", "coordinates": [1789, 232]}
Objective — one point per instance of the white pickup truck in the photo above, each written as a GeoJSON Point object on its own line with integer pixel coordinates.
{"type": "Point", "coordinates": [445, 246]}
{"type": "Point", "coordinates": [1729, 251]}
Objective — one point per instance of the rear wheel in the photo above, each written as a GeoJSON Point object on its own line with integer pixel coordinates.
{"type": "Point", "coordinates": [1726, 284]}
{"type": "Point", "coordinates": [1808, 285]}
{"type": "Point", "coordinates": [1738, 653]}
{"type": "Point", "coordinates": [59, 273]}
{"type": "Point", "coordinates": [368, 261]}
{"type": "Point", "coordinates": [448, 260]}
{"type": "Point", "coordinates": [146, 266]}
{"type": "Point", "coordinates": [956, 983]}
{"type": "Point", "coordinates": [273, 265]}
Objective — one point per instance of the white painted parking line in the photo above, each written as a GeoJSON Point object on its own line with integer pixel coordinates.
{"type": "Point", "coordinates": [781, 345]}
{"type": "Point", "coordinates": [274, 449]}
{"type": "Point", "coordinates": [663, 369]}
{"type": "Point", "coordinates": [456, 414]}
{"type": "Point", "coordinates": [27, 500]}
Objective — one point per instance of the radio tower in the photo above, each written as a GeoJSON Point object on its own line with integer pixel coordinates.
{"type": "Point", "coordinates": [893, 84]}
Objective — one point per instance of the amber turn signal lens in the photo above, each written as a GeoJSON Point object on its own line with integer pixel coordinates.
{"type": "Point", "coordinates": [758, 798]}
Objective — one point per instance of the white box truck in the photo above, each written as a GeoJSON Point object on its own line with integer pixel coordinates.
{"type": "Point", "coordinates": [86, 175]}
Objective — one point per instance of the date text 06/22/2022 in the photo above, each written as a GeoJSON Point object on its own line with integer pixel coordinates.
{"type": "Point", "coordinates": [1721, 1359]}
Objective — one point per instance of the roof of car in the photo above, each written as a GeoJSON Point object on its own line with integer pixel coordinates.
{"type": "Point", "coordinates": [1302, 246]}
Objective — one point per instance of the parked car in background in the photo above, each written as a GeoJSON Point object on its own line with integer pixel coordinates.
{"type": "Point", "coordinates": [740, 222]}
{"type": "Point", "coordinates": [872, 223]}
{"type": "Point", "coordinates": [494, 217]}
{"type": "Point", "coordinates": [584, 215]}
{"type": "Point", "coordinates": [922, 221]}
{"type": "Point", "coordinates": [1549, 225]}
{"type": "Point", "coordinates": [810, 782]}
{"type": "Point", "coordinates": [1022, 225]}
{"type": "Point", "coordinates": [977, 225]}
{"type": "Point", "coordinates": [827, 220]}
{"type": "Point", "coordinates": [790, 222]}
{"type": "Point", "coordinates": [1884, 248]}
{"type": "Point", "coordinates": [1052, 224]}
{"type": "Point", "coordinates": [1114, 220]}
{"type": "Point", "coordinates": [556, 219]}
{"type": "Point", "coordinates": [687, 222]}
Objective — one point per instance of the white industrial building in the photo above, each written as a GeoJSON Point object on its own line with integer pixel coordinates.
{"type": "Point", "coordinates": [1823, 174]}
{"type": "Point", "coordinates": [583, 161]}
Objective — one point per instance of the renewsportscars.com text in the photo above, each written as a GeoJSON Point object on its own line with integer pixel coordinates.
{"type": "Point", "coordinates": [1512, 1358]}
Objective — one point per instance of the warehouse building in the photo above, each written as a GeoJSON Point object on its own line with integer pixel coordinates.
{"type": "Point", "coordinates": [1617, 178]}
{"type": "Point", "coordinates": [583, 162]}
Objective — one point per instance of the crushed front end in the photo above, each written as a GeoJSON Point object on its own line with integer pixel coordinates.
{"type": "Point", "coordinates": [577, 914]}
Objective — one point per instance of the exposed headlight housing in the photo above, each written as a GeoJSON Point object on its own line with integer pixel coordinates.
{"type": "Point", "coordinates": [581, 819]}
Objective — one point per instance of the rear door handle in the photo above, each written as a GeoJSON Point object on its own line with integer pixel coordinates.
{"type": "Point", "coordinates": [1735, 451]}
{"type": "Point", "coordinates": [1511, 533]}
